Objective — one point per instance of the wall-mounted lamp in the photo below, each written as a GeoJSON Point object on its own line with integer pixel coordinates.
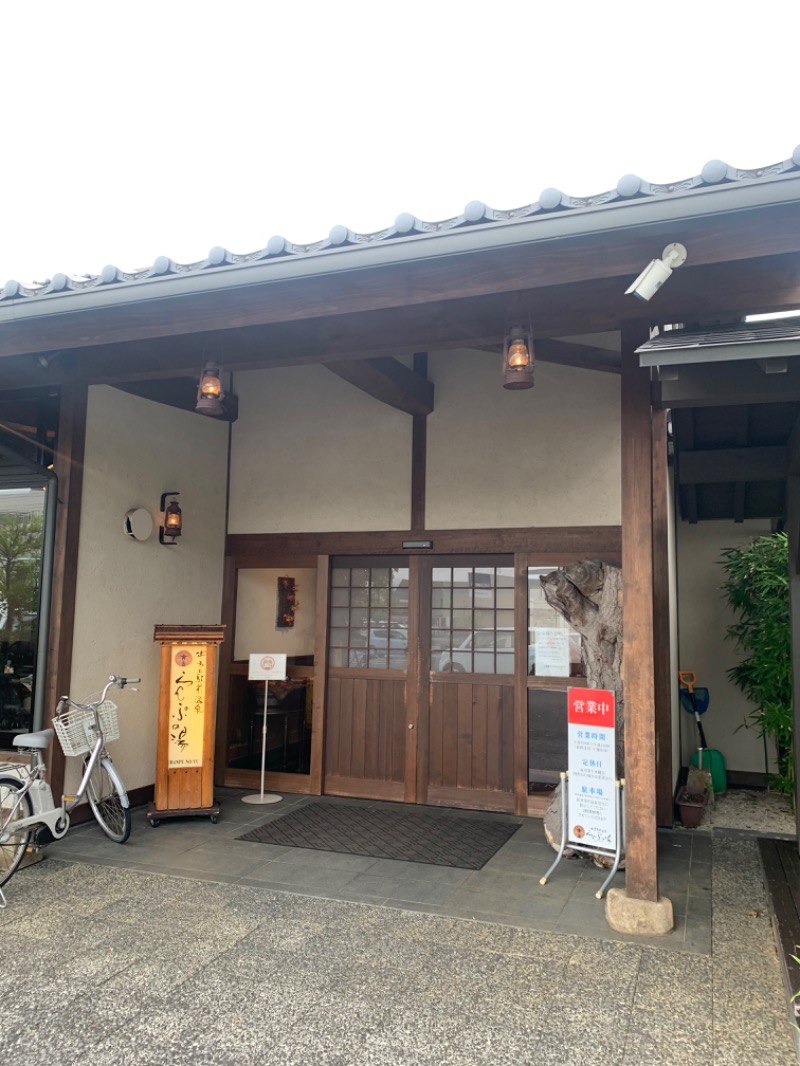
{"type": "Point", "coordinates": [518, 358]}
{"type": "Point", "coordinates": [210, 394]}
{"type": "Point", "coordinates": [657, 271]}
{"type": "Point", "coordinates": [171, 525]}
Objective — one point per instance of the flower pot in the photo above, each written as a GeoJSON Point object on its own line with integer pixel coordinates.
{"type": "Point", "coordinates": [691, 806]}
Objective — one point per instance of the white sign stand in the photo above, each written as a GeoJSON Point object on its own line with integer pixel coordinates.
{"type": "Point", "coordinates": [266, 668]}
{"type": "Point", "coordinates": [592, 807]}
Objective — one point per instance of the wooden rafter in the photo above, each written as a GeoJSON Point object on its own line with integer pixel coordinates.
{"type": "Point", "coordinates": [389, 381]}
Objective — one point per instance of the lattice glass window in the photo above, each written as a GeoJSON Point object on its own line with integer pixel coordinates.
{"type": "Point", "coordinates": [368, 623]}
{"type": "Point", "coordinates": [472, 619]}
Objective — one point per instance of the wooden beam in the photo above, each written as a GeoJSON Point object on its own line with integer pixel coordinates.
{"type": "Point", "coordinates": [419, 453]}
{"type": "Point", "coordinates": [641, 880]}
{"type": "Point", "coordinates": [600, 262]}
{"type": "Point", "coordinates": [68, 465]}
{"type": "Point", "coordinates": [389, 381]}
{"type": "Point", "coordinates": [716, 466]}
{"type": "Point", "coordinates": [553, 545]}
{"type": "Point", "coordinates": [180, 393]}
{"type": "Point", "coordinates": [662, 661]}
{"type": "Point", "coordinates": [582, 356]}
{"type": "Point", "coordinates": [741, 421]}
{"type": "Point", "coordinates": [595, 306]}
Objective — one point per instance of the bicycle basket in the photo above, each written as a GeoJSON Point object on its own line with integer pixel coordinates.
{"type": "Point", "coordinates": [76, 730]}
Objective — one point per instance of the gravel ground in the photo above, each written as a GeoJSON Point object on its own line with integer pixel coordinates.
{"type": "Point", "coordinates": [750, 809]}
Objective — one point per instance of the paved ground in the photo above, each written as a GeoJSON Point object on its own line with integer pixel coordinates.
{"type": "Point", "coordinates": [189, 946]}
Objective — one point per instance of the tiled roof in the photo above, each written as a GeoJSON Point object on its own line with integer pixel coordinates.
{"type": "Point", "coordinates": [629, 188]}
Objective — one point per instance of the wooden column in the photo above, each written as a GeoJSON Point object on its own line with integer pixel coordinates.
{"type": "Point", "coordinates": [641, 880]}
{"type": "Point", "coordinates": [419, 453]}
{"type": "Point", "coordinates": [661, 622]}
{"type": "Point", "coordinates": [318, 723]}
{"type": "Point", "coordinates": [68, 464]}
{"type": "Point", "coordinates": [521, 639]}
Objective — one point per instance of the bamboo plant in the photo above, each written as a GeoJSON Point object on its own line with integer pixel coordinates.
{"type": "Point", "coordinates": [757, 589]}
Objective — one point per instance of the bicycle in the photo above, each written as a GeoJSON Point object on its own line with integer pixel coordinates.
{"type": "Point", "coordinates": [29, 817]}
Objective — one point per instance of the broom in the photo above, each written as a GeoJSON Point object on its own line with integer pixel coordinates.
{"type": "Point", "coordinates": [699, 778]}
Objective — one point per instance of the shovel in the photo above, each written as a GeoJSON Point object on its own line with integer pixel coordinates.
{"type": "Point", "coordinates": [699, 778]}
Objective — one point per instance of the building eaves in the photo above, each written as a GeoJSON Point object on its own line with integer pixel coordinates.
{"type": "Point", "coordinates": [554, 215]}
{"type": "Point", "coordinates": [726, 343]}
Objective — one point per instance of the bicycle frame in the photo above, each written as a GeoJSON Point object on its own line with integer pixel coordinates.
{"type": "Point", "coordinates": [45, 811]}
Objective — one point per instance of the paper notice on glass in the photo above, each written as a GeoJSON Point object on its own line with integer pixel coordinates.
{"type": "Point", "coordinates": [592, 768]}
{"type": "Point", "coordinates": [552, 652]}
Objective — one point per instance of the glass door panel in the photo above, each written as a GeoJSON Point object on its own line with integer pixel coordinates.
{"type": "Point", "coordinates": [261, 628]}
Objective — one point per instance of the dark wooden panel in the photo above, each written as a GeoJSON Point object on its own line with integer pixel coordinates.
{"type": "Point", "coordinates": [546, 545]}
{"type": "Point", "coordinates": [69, 474]}
{"type": "Point", "coordinates": [637, 567]}
{"type": "Point", "coordinates": [362, 788]}
{"type": "Point", "coordinates": [600, 260]}
{"type": "Point", "coordinates": [471, 734]}
{"type": "Point", "coordinates": [479, 770]}
{"type": "Point", "coordinates": [365, 730]}
{"type": "Point", "coordinates": [661, 623]}
{"type": "Point", "coordinates": [389, 381]}
{"type": "Point", "coordinates": [472, 799]}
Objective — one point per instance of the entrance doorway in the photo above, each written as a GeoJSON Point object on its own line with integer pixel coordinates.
{"type": "Point", "coordinates": [420, 680]}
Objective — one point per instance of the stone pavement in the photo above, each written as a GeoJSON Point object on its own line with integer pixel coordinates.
{"type": "Point", "coordinates": [112, 960]}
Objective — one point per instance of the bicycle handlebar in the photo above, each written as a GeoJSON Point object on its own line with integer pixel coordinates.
{"type": "Point", "coordinates": [113, 679]}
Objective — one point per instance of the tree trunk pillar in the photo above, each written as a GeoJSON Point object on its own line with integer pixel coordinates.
{"type": "Point", "coordinates": [641, 880]}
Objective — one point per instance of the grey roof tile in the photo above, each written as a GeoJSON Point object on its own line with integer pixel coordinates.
{"type": "Point", "coordinates": [629, 188]}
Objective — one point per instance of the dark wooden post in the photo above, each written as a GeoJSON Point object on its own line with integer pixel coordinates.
{"type": "Point", "coordinates": [68, 463]}
{"type": "Point", "coordinates": [419, 453]}
{"type": "Point", "coordinates": [637, 612]}
{"type": "Point", "coordinates": [661, 621]}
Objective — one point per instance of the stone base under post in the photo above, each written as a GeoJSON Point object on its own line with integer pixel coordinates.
{"type": "Point", "coordinates": [639, 917]}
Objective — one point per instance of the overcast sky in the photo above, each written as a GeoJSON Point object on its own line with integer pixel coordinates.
{"type": "Point", "coordinates": [165, 127]}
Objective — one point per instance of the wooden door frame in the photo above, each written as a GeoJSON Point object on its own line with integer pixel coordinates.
{"type": "Point", "coordinates": [556, 546]}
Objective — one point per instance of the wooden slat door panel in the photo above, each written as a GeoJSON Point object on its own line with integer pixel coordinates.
{"type": "Point", "coordinates": [470, 744]}
{"type": "Point", "coordinates": [365, 749]}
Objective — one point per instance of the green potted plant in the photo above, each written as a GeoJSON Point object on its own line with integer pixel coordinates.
{"type": "Point", "coordinates": [757, 589]}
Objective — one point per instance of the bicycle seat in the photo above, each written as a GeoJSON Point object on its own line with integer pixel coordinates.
{"type": "Point", "coordinates": [34, 740]}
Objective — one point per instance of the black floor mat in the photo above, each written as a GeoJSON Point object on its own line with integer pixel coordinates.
{"type": "Point", "coordinates": [411, 835]}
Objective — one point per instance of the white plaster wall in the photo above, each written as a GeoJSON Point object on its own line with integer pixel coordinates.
{"type": "Point", "coordinates": [703, 619]}
{"type": "Point", "coordinates": [256, 608]}
{"type": "Point", "coordinates": [547, 456]}
{"type": "Point", "coordinates": [314, 453]}
{"type": "Point", "coordinates": [135, 450]}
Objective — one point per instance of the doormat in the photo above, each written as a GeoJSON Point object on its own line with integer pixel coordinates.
{"type": "Point", "coordinates": [410, 835]}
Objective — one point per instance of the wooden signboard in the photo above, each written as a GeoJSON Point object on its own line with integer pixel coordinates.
{"type": "Point", "coordinates": [187, 701]}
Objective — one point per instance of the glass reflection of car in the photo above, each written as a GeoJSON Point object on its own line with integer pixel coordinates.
{"type": "Point", "coordinates": [486, 651]}
{"type": "Point", "coordinates": [374, 645]}
{"type": "Point", "coordinates": [490, 651]}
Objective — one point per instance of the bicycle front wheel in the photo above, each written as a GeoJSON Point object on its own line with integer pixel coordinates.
{"type": "Point", "coordinates": [105, 794]}
{"type": "Point", "coordinates": [13, 808]}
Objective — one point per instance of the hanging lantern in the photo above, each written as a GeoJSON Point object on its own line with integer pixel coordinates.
{"type": "Point", "coordinates": [518, 359]}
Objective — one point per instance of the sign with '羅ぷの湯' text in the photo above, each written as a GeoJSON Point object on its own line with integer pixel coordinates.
{"type": "Point", "coordinates": [591, 802]}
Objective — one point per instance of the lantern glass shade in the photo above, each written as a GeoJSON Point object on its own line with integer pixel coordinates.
{"type": "Point", "coordinates": [518, 359]}
{"type": "Point", "coordinates": [210, 385]}
{"type": "Point", "coordinates": [173, 520]}
{"type": "Point", "coordinates": [171, 525]}
{"type": "Point", "coordinates": [210, 393]}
